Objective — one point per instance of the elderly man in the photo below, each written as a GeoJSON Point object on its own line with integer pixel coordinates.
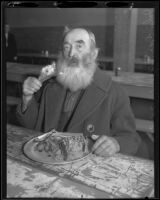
{"type": "Point", "coordinates": [81, 98]}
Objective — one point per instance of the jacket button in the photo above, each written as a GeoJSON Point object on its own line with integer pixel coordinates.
{"type": "Point", "coordinates": [90, 128]}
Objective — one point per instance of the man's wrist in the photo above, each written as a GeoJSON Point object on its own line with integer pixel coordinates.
{"type": "Point", "coordinates": [27, 96]}
{"type": "Point", "coordinates": [25, 100]}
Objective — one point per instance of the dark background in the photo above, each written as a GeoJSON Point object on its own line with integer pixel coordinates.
{"type": "Point", "coordinates": [38, 29]}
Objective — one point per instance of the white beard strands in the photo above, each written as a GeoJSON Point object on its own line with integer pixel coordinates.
{"type": "Point", "coordinates": [75, 78]}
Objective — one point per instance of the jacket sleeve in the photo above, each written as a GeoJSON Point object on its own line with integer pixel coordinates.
{"type": "Point", "coordinates": [123, 126]}
{"type": "Point", "coordinates": [28, 118]}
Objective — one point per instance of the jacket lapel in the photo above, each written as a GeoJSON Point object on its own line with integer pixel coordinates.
{"type": "Point", "coordinates": [92, 97]}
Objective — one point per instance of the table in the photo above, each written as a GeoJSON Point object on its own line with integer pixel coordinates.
{"type": "Point", "coordinates": [118, 176]}
{"type": "Point", "coordinates": [37, 58]}
{"type": "Point", "coordinates": [138, 85]}
{"type": "Point", "coordinates": [26, 181]}
{"type": "Point", "coordinates": [38, 55]}
{"type": "Point", "coordinates": [17, 72]}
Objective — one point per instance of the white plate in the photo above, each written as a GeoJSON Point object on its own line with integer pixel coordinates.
{"type": "Point", "coordinates": [42, 157]}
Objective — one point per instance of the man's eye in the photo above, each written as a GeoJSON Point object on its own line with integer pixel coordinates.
{"type": "Point", "coordinates": [79, 46]}
{"type": "Point", "coordinates": [66, 47]}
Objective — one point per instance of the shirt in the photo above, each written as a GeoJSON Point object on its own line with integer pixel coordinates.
{"type": "Point", "coordinates": [68, 108]}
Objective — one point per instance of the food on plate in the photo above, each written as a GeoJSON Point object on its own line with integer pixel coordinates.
{"type": "Point", "coordinates": [63, 148]}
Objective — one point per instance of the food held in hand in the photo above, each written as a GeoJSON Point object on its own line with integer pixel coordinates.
{"type": "Point", "coordinates": [47, 72]}
{"type": "Point", "coordinates": [63, 148]}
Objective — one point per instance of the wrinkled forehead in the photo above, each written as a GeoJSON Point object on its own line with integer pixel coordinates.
{"type": "Point", "coordinates": [77, 35]}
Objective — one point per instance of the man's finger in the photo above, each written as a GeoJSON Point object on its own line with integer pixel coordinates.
{"type": "Point", "coordinates": [107, 152]}
{"type": "Point", "coordinates": [37, 82]}
{"type": "Point", "coordinates": [103, 147]}
{"type": "Point", "coordinates": [99, 141]}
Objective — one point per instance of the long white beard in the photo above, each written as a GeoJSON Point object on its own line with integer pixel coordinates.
{"type": "Point", "coordinates": [75, 78]}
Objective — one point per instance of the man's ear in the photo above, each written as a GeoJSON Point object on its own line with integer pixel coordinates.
{"type": "Point", "coordinates": [95, 53]}
{"type": "Point", "coordinates": [66, 29]}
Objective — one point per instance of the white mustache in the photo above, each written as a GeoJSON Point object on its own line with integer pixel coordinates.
{"type": "Point", "coordinates": [73, 60]}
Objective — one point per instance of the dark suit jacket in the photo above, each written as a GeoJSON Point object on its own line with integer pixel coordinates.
{"type": "Point", "coordinates": [103, 110]}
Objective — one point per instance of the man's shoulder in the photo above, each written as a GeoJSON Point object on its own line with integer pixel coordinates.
{"type": "Point", "coordinates": [118, 91]}
{"type": "Point", "coordinates": [102, 80]}
{"type": "Point", "coordinates": [105, 82]}
{"type": "Point", "coordinates": [52, 82]}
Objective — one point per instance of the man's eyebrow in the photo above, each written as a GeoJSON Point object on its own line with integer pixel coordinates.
{"type": "Point", "coordinates": [80, 41]}
{"type": "Point", "coordinates": [77, 41]}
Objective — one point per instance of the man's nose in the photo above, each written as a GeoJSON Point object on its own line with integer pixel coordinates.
{"type": "Point", "coordinates": [72, 52]}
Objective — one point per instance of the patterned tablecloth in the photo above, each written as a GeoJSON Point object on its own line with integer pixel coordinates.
{"type": "Point", "coordinates": [26, 181]}
{"type": "Point", "coordinates": [118, 176]}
